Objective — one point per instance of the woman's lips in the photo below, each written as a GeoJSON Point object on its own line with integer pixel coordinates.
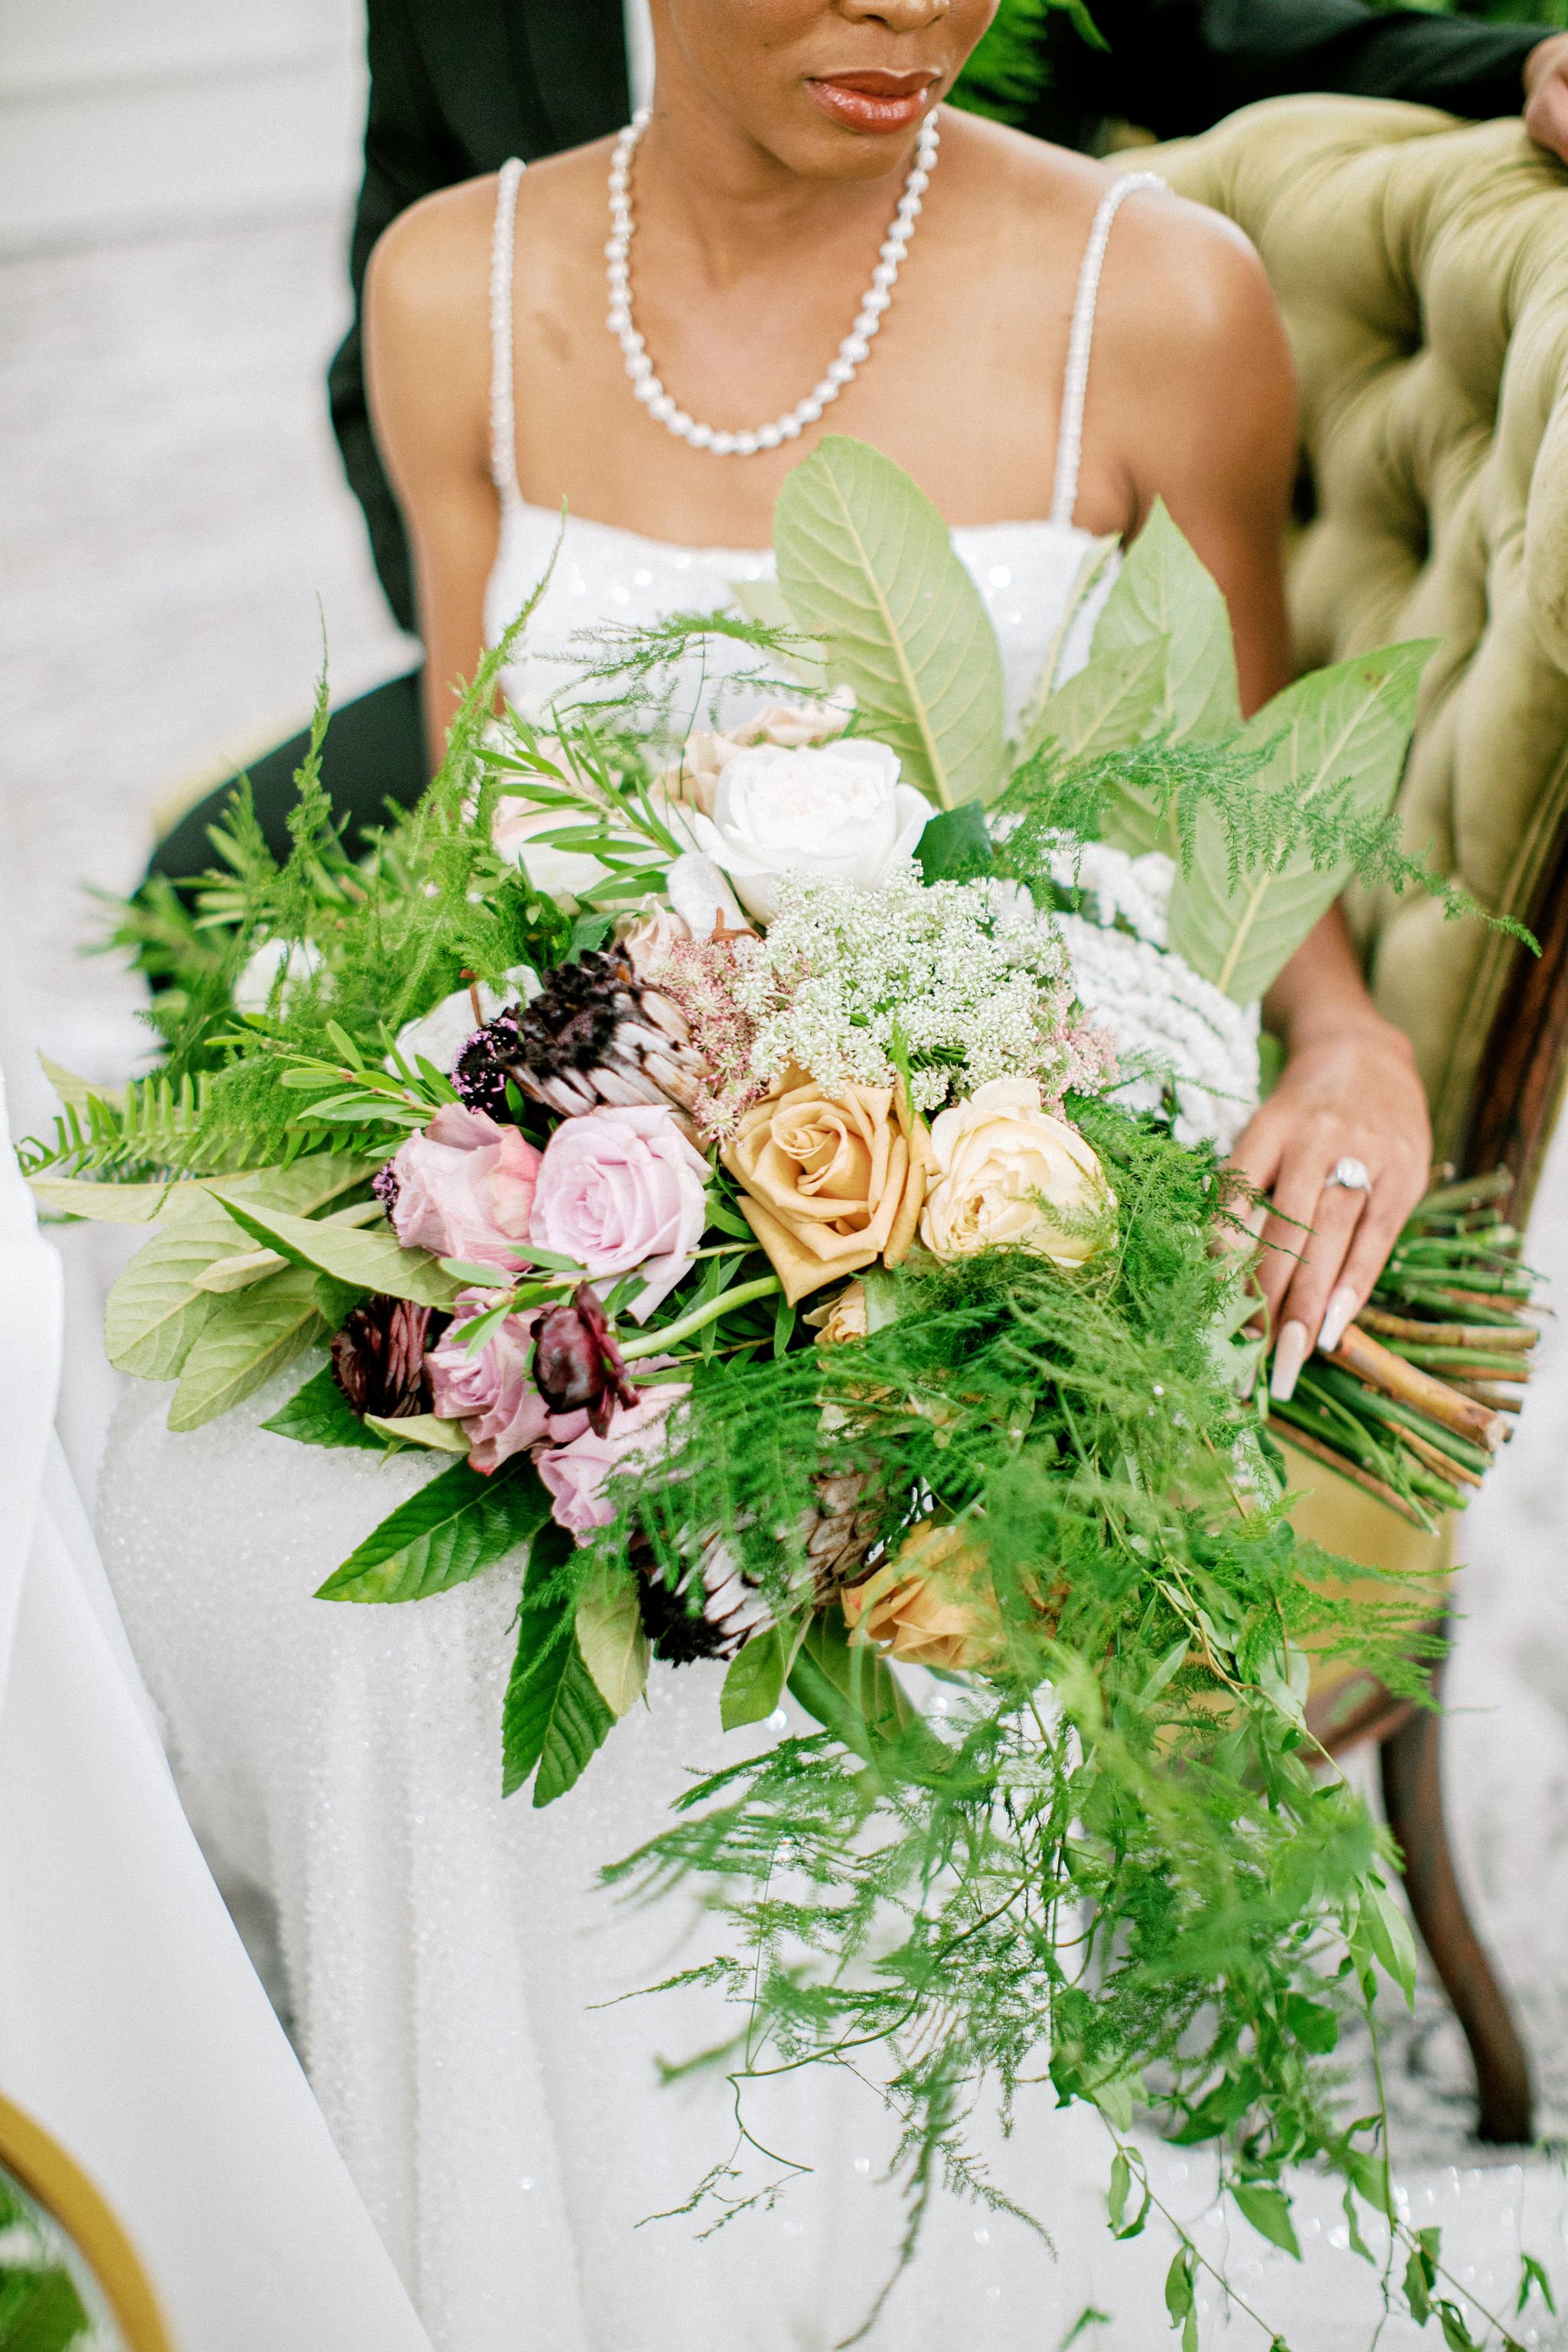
{"type": "Point", "coordinates": [873, 101]}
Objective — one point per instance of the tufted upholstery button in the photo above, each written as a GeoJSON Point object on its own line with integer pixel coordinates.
{"type": "Point", "coordinates": [1422, 267]}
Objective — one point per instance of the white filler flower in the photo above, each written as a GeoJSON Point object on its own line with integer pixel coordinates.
{"type": "Point", "coordinates": [833, 812]}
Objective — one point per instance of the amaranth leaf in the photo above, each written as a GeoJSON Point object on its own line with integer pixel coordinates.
{"type": "Point", "coordinates": [319, 1414]}
{"type": "Point", "coordinates": [867, 566]}
{"type": "Point", "coordinates": [452, 1528]}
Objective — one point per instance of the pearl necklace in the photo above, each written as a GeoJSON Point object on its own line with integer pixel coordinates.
{"type": "Point", "coordinates": [855, 348]}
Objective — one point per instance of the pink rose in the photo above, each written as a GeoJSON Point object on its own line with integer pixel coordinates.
{"type": "Point", "coordinates": [622, 1189]}
{"type": "Point", "coordinates": [465, 1189]}
{"type": "Point", "coordinates": [576, 1473]}
{"type": "Point", "coordinates": [491, 1388]}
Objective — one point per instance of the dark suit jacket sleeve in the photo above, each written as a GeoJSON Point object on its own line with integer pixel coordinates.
{"type": "Point", "coordinates": [408, 153]}
{"type": "Point", "coordinates": [1177, 66]}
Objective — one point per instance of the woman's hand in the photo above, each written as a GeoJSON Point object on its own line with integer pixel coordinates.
{"type": "Point", "coordinates": [1349, 1090]}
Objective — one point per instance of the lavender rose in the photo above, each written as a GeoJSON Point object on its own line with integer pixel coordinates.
{"type": "Point", "coordinates": [576, 1474]}
{"type": "Point", "coordinates": [466, 1189]}
{"type": "Point", "coordinates": [621, 1190]}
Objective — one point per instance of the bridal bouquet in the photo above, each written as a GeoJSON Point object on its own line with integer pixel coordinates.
{"type": "Point", "coordinates": [776, 1171]}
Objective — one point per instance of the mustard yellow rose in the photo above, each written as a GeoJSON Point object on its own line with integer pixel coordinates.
{"type": "Point", "coordinates": [1009, 1175]}
{"type": "Point", "coordinates": [845, 1319]}
{"type": "Point", "coordinates": [933, 1605]}
{"type": "Point", "coordinates": [830, 1183]}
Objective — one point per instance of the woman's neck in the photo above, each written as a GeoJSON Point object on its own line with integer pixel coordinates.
{"type": "Point", "coordinates": [731, 209]}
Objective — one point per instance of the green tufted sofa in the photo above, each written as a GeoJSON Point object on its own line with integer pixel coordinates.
{"type": "Point", "coordinates": [1422, 267]}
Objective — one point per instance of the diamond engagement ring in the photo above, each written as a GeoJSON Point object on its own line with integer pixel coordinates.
{"type": "Point", "coordinates": [1352, 1174]}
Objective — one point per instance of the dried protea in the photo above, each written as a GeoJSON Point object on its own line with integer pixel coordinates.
{"type": "Point", "coordinates": [713, 1618]}
{"type": "Point", "coordinates": [597, 1034]}
{"type": "Point", "coordinates": [841, 1533]}
{"type": "Point", "coordinates": [378, 1356]}
{"type": "Point", "coordinates": [577, 1362]}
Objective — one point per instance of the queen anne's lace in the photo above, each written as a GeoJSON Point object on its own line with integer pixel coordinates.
{"type": "Point", "coordinates": [958, 979]}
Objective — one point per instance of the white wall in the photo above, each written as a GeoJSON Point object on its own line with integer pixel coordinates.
{"type": "Point", "coordinates": [123, 117]}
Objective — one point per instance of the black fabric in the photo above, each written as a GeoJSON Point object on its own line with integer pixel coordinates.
{"type": "Point", "coordinates": [456, 87]}
{"type": "Point", "coordinates": [374, 752]}
{"type": "Point", "coordinates": [1177, 66]}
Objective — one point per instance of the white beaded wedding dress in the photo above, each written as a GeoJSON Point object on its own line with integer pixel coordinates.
{"type": "Point", "coordinates": [450, 1959]}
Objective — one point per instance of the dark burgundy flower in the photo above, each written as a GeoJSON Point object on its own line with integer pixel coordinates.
{"type": "Point", "coordinates": [378, 1356]}
{"type": "Point", "coordinates": [384, 1185]}
{"type": "Point", "coordinates": [577, 1362]}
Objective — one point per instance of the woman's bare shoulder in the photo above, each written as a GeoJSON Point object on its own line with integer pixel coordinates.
{"type": "Point", "coordinates": [431, 269]}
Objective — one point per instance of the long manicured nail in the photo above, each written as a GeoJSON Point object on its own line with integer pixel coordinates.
{"type": "Point", "coordinates": [1290, 1352]}
{"type": "Point", "coordinates": [1341, 1307]}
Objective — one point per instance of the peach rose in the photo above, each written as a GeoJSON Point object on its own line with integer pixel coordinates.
{"type": "Point", "coordinates": [1010, 1175]}
{"type": "Point", "coordinates": [846, 1318]}
{"type": "Point", "coordinates": [933, 1605]}
{"type": "Point", "coordinates": [832, 1182]}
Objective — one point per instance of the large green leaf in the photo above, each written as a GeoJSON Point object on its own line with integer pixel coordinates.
{"type": "Point", "coordinates": [319, 1414]}
{"type": "Point", "coordinates": [155, 1310]}
{"type": "Point", "coordinates": [554, 1716]}
{"type": "Point", "coordinates": [612, 1643]}
{"type": "Point", "coordinates": [867, 565]}
{"type": "Point", "coordinates": [1111, 702]}
{"type": "Point", "coordinates": [1162, 591]}
{"type": "Point", "coordinates": [108, 1204]}
{"type": "Point", "coordinates": [154, 1313]}
{"type": "Point", "coordinates": [370, 1261]}
{"type": "Point", "coordinates": [247, 1338]}
{"type": "Point", "coordinates": [1341, 732]}
{"type": "Point", "coordinates": [452, 1529]}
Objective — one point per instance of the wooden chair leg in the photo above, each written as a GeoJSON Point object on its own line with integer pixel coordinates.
{"type": "Point", "coordinates": [1413, 1797]}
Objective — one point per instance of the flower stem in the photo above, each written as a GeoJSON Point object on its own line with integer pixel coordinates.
{"type": "Point", "coordinates": [653, 1342]}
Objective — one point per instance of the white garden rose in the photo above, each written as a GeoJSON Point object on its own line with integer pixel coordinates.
{"type": "Point", "coordinates": [296, 960]}
{"type": "Point", "coordinates": [834, 812]}
{"type": "Point", "coordinates": [1004, 1166]}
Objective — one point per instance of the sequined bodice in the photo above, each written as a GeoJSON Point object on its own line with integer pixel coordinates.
{"type": "Point", "coordinates": [1026, 573]}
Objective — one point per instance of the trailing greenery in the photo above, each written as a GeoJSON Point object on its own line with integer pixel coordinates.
{"type": "Point", "coordinates": [1113, 1856]}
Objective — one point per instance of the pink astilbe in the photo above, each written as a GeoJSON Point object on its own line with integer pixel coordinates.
{"type": "Point", "coordinates": [698, 975]}
{"type": "Point", "coordinates": [1079, 1058]}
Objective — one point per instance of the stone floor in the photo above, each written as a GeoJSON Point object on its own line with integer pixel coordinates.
{"type": "Point", "coordinates": [174, 533]}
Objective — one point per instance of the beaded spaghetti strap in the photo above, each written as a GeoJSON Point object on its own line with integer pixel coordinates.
{"type": "Point", "coordinates": [1075, 382]}
{"type": "Point", "coordinates": [503, 419]}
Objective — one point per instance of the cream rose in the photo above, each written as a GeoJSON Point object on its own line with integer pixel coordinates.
{"type": "Point", "coordinates": [831, 1182]}
{"type": "Point", "coordinates": [1008, 1175]}
{"type": "Point", "coordinates": [835, 811]}
{"type": "Point", "coordinates": [693, 780]}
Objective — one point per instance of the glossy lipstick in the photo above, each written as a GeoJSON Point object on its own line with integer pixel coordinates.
{"type": "Point", "coordinates": [874, 101]}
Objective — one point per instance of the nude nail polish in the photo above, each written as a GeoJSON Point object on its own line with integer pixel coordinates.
{"type": "Point", "coordinates": [1290, 1352]}
{"type": "Point", "coordinates": [1337, 1316]}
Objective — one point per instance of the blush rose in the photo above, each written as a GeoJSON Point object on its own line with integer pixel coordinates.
{"type": "Point", "coordinates": [466, 1189]}
{"type": "Point", "coordinates": [491, 1388]}
{"type": "Point", "coordinates": [577, 1473]}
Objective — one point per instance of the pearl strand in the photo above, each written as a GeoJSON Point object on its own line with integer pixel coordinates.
{"type": "Point", "coordinates": [855, 348]}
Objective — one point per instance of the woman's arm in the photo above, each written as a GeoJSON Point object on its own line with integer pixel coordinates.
{"type": "Point", "coordinates": [426, 318]}
{"type": "Point", "coordinates": [1220, 448]}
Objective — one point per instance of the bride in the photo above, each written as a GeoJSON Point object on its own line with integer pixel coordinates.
{"type": "Point", "coordinates": [1047, 351]}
